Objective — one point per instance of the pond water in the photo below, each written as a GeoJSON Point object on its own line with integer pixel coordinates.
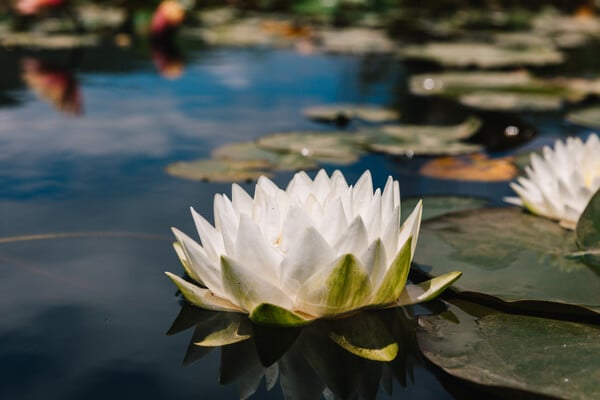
{"type": "Point", "coordinates": [86, 207]}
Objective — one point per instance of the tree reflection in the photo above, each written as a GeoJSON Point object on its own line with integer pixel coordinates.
{"type": "Point", "coordinates": [336, 358]}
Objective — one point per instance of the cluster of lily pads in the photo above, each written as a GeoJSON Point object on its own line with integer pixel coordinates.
{"type": "Point", "coordinates": [283, 151]}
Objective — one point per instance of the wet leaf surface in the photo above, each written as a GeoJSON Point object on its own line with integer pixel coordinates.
{"type": "Point", "coordinates": [510, 255]}
{"type": "Point", "coordinates": [219, 170]}
{"type": "Point", "coordinates": [588, 232]}
{"type": "Point", "coordinates": [482, 55]}
{"type": "Point", "coordinates": [343, 113]}
{"type": "Point", "coordinates": [541, 356]}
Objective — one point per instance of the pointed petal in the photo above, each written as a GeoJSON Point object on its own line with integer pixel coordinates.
{"type": "Point", "coordinates": [395, 278]}
{"type": "Point", "coordinates": [410, 228]}
{"type": "Point", "coordinates": [391, 232]}
{"type": "Point", "coordinates": [210, 238]}
{"type": "Point", "coordinates": [338, 288]}
{"type": "Point", "coordinates": [354, 240]}
{"type": "Point", "coordinates": [241, 200]}
{"type": "Point", "coordinates": [363, 191]}
{"type": "Point", "coordinates": [200, 266]}
{"type": "Point", "coordinates": [309, 253]}
{"type": "Point", "coordinates": [249, 288]}
{"type": "Point", "coordinates": [374, 261]}
{"type": "Point", "coordinates": [259, 257]}
{"type": "Point", "coordinates": [189, 269]}
{"type": "Point", "coordinates": [296, 220]}
{"type": "Point", "coordinates": [272, 315]}
{"type": "Point", "coordinates": [427, 290]}
{"type": "Point", "coordinates": [201, 297]}
{"type": "Point", "coordinates": [226, 221]}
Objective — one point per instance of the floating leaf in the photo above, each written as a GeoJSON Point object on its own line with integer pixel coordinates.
{"type": "Point", "coordinates": [456, 83]}
{"type": "Point", "coordinates": [542, 356]}
{"type": "Point", "coordinates": [511, 255]}
{"type": "Point", "coordinates": [343, 113]}
{"type": "Point", "coordinates": [423, 140]}
{"type": "Point", "coordinates": [511, 101]}
{"type": "Point", "coordinates": [356, 41]}
{"type": "Point", "coordinates": [474, 167]}
{"type": "Point", "coordinates": [588, 232]}
{"type": "Point", "coordinates": [251, 152]}
{"type": "Point", "coordinates": [434, 206]}
{"type": "Point", "coordinates": [45, 41]}
{"type": "Point", "coordinates": [219, 170]}
{"type": "Point", "coordinates": [589, 117]}
{"type": "Point", "coordinates": [332, 147]}
{"type": "Point", "coordinates": [483, 55]}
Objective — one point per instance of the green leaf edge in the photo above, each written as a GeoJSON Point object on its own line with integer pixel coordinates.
{"type": "Point", "coordinates": [272, 315]}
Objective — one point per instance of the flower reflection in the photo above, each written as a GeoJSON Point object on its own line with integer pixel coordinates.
{"type": "Point", "coordinates": [372, 349]}
{"type": "Point", "coordinates": [53, 83]}
{"type": "Point", "coordinates": [167, 59]}
{"type": "Point", "coordinates": [32, 7]}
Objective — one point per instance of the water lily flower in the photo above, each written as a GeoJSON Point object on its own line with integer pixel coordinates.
{"type": "Point", "coordinates": [318, 249]}
{"type": "Point", "coordinates": [560, 183]}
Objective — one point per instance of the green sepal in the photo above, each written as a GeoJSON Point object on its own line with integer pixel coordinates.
{"type": "Point", "coordinates": [272, 315]}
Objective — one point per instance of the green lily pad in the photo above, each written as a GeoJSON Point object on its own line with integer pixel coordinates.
{"type": "Point", "coordinates": [510, 101]}
{"type": "Point", "coordinates": [219, 170]}
{"type": "Point", "coordinates": [482, 55]}
{"type": "Point", "coordinates": [589, 117]}
{"type": "Point", "coordinates": [423, 140]}
{"type": "Point", "coordinates": [329, 147]}
{"type": "Point", "coordinates": [588, 232]}
{"type": "Point", "coordinates": [251, 152]}
{"type": "Point", "coordinates": [355, 41]}
{"type": "Point", "coordinates": [457, 82]}
{"type": "Point", "coordinates": [434, 206]}
{"type": "Point", "coordinates": [542, 356]}
{"type": "Point", "coordinates": [47, 41]}
{"type": "Point", "coordinates": [340, 113]}
{"type": "Point", "coordinates": [510, 255]}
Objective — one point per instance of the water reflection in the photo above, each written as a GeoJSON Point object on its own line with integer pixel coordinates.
{"type": "Point", "coordinates": [355, 356]}
{"type": "Point", "coordinates": [53, 83]}
{"type": "Point", "coordinates": [167, 58]}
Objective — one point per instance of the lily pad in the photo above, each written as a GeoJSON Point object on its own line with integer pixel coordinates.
{"type": "Point", "coordinates": [330, 147]}
{"type": "Point", "coordinates": [482, 55]}
{"type": "Point", "coordinates": [589, 117]}
{"type": "Point", "coordinates": [474, 167]}
{"type": "Point", "coordinates": [434, 206]}
{"type": "Point", "coordinates": [412, 140]}
{"type": "Point", "coordinates": [507, 255]}
{"type": "Point", "coordinates": [457, 82]}
{"type": "Point", "coordinates": [343, 113]}
{"type": "Point", "coordinates": [356, 41]}
{"type": "Point", "coordinates": [47, 41]}
{"type": "Point", "coordinates": [588, 232]}
{"type": "Point", "coordinates": [507, 101]}
{"type": "Point", "coordinates": [542, 356]}
{"type": "Point", "coordinates": [251, 152]}
{"type": "Point", "coordinates": [219, 170]}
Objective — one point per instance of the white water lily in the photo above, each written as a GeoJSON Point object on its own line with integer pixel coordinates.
{"type": "Point", "coordinates": [561, 183]}
{"type": "Point", "coordinates": [318, 249]}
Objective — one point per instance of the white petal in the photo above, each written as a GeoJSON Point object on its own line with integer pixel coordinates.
{"type": "Point", "coordinates": [203, 267]}
{"type": "Point", "coordinates": [391, 232]}
{"type": "Point", "coordinates": [354, 240]}
{"type": "Point", "coordinates": [226, 221]}
{"type": "Point", "coordinates": [309, 253]}
{"type": "Point", "coordinates": [202, 297]}
{"type": "Point", "coordinates": [212, 242]}
{"type": "Point", "coordinates": [249, 288]}
{"type": "Point", "coordinates": [242, 201]}
{"type": "Point", "coordinates": [371, 216]}
{"type": "Point", "coordinates": [334, 221]}
{"type": "Point", "coordinates": [374, 260]}
{"type": "Point", "coordinates": [362, 193]}
{"type": "Point", "coordinates": [296, 220]}
{"type": "Point", "coordinates": [252, 249]}
{"type": "Point", "coordinates": [321, 185]}
{"type": "Point", "coordinates": [410, 228]}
